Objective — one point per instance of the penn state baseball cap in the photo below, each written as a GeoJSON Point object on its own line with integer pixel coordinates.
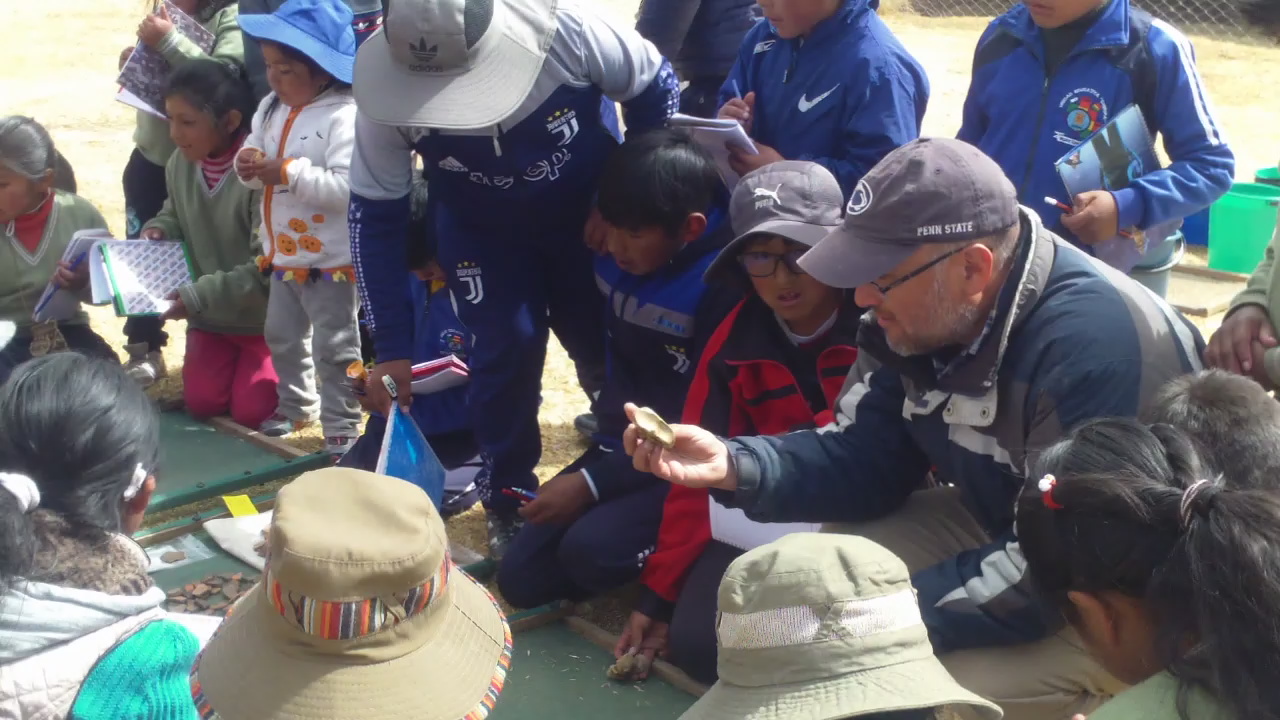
{"type": "Point", "coordinates": [930, 191]}
{"type": "Point", "coordinates": [793, 199]}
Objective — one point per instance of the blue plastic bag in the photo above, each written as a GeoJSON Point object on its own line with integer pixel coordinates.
{"type": "Point", "coordinates": [407, 455]}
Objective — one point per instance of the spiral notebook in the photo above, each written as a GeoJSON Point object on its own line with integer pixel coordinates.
{"type": "Point", "coordinates": [143, 76]}
{"type": "Point", "coordinates": [143, 274]}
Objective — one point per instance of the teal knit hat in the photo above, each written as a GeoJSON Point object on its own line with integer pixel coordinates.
{"type": "Point", "coordinates": [146, 677]}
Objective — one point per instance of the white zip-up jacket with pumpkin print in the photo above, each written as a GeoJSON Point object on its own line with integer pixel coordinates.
{"type": "Point", "coordinates": [304, 217]}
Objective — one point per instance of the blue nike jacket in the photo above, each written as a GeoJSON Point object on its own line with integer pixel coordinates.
{"type": "Point", "coordinates": [657, 325]}
{"type": "Point", "coordinates": [1126, 57]}
{"type": "Point", "coordinates": [978, 423]}
{"type": "Point", "coordinates": [844, 97]}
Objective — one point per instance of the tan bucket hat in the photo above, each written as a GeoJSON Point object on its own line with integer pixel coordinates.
{"type": "Point", "coordinates": [361, 615]}
{"type": "Point", "coordinates": [823, 627]}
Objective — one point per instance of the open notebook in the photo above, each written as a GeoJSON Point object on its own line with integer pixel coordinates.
{"type": "Point", "coordinates": [717, 136]}
{"type": "Point", "coordinates": [136, 276]}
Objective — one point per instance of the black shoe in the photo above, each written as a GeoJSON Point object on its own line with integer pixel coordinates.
{"type": "Point", "coordinates": [502, 529]}
{"type": "Point", "coordinates": [586, 425]}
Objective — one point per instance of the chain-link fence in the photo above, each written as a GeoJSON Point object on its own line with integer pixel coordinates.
{"type": "Point", "coordinates": [1207, 17]}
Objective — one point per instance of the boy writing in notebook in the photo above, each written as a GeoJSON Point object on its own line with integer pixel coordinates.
{"type": "Point", "coordinates": [824, 81]}
{"type": "Point", "coordinates": [590, 527]}
{"type": "Point", "coordinates": [1092, 59]}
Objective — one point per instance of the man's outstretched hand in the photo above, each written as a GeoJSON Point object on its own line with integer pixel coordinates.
{"type": "Point", "coordinates": [698, 459]}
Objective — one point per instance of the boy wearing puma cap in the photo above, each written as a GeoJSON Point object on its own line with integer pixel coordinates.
{"type": "Point", "coordinates": [510, 104]}
{"type": "Point", "coordinates": [776, 364]}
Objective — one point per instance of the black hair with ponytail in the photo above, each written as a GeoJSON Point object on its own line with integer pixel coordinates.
{"type": "Point", "coordinates": [79, 427]}
{"type": "Point", "coordinates": [215, 87]}
{"type": "Point", "coordinates": [1132, 510]}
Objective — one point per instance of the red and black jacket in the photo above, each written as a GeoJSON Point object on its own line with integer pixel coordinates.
{"type": "Point", "coordinates": [750, 380]}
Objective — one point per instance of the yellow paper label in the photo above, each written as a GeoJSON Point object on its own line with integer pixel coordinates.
{"type": "Point", "coordinates": [239, 505]}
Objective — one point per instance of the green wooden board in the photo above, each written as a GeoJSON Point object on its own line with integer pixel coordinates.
{"type": "Point", "coordinates": [199, 462]}
{"type": "Point", "coordinates": [557, 673]}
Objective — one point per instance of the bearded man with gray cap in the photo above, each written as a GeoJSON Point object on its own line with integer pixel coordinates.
{"type": "Point", "coordinates": [987, 337]}
{"type": "Point", "coordinates": [510, 105]}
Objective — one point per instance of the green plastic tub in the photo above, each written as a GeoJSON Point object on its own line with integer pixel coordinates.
{"type": "Point", "coordinates": [1268, 176]}
{"type": "Point", "coordinates": [1240, 226]}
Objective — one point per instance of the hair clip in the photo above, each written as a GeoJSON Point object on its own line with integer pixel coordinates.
{"type": "Point", "coordinates": [23, 488]}
{"type": "Point", "coordinates": [1047, 484]}
{"type": "Point", "coordinates": [135, 482]}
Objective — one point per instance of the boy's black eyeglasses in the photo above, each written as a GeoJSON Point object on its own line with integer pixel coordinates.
{"type": "Point", "coordinates": [765, 264]}
{"type": "Point", "coordinates": [884, 289]}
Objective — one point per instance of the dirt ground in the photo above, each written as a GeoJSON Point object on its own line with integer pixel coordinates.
{"type": "Point", "coordinates": [61, 66]}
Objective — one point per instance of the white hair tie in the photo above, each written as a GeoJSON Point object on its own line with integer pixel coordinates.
{"type": "Point", "coordinates": [23, 488]}
{"type": "Point", "coordinates": [1188, 497]}
{"type": "Point", "coordinates": [135, 483]}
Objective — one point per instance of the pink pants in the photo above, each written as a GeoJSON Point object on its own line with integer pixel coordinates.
{"type": "Point", "coordinates": [228, 374]}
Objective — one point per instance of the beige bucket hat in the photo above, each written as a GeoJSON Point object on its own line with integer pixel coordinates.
{"type": "Point", "coordinates": [822, 627]}
{"type": "Point", "coordinates": [360, 615]}
{"type": "Point", "coordinates": [453, 64]}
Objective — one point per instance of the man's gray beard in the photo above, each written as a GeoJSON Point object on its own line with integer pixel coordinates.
{"type": "Point", "coordinates": [948, 324]}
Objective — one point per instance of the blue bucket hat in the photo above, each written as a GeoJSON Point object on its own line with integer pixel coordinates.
{"type": "Point", "coordinates": [320, 29]}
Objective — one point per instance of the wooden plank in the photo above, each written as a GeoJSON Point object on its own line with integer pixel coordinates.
{"type": "Point", "coordinates": [1203, 293]}
{"type": "Point", "coordinates": [538, 617]}
{"type": "Point", "coordinates": [1211, 273]}
{"type": "Point", "coordinates": [270, 444]}
{"type": "Point", "coordinates": [663, 669]}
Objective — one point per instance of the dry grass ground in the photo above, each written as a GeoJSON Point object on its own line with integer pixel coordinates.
{"type": "Point", "coordinates": [61, 64]}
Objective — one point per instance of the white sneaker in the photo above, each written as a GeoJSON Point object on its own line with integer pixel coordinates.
{"type": "Point", "coordinates": [144, 366]}
{"type": "Point", "coordinates": [338, 446]}
{"type": "Point", "coordinates": [278, 425]}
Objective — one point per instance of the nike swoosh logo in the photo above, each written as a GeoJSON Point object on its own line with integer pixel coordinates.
{"type": "Point", "coordinates": [806, 104]}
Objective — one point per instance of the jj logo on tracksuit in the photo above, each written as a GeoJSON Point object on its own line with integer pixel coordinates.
{"type": "Point", "coordinates": [469, 275]}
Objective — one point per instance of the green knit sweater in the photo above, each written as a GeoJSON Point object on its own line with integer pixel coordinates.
{"type": "Point", "coordinates": [24, 276]}
{"type": "Point", "coordinates": [229, 294]}
{"type": "Point", "coordinates": [146, 677]}
{"type": "Point", "coordinates": [152, 133]}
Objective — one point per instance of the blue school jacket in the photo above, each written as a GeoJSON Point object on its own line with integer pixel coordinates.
{"type": "Point", "coordinates": [844, 96]}
{"type": "Point", "coordinates": [657, 325]}
{"type": "Point", "coordinates": [438, 333]}
{"type": "Point", "coordinates": [1026, 121]}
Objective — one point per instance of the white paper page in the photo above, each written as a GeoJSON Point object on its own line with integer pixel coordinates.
{"type": "Point", "coordinates": [443, 380]}
{"type": "Point", "coordinates": [99, 280]}
{"type": "Point", "coordinates": [56, 303]}
{"type": "Point", "coordinates": [732, 526]}
{"type": "Point", "coordinates": [138, 103]}
{"type": "Point", "coordinates": [239, 535]}
{"type": "Point", "coordinates": [717, 136]}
